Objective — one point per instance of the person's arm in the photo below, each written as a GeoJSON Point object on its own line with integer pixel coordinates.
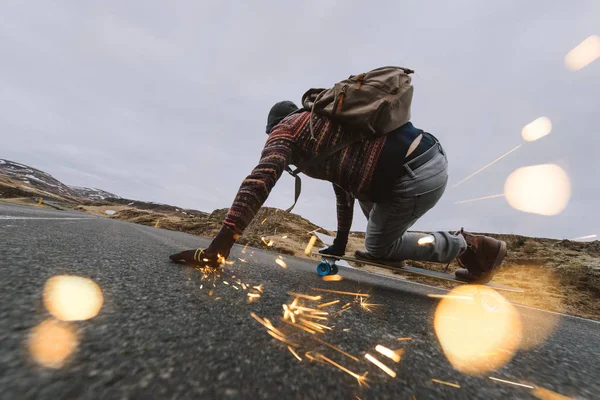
{"type": "Point", "coordinates": [345, 213]}
{"type": "Point", "coordinates": [251, 195]}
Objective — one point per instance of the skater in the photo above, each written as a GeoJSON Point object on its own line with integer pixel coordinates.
{"type": "Point", "coordinates": [396, 178]}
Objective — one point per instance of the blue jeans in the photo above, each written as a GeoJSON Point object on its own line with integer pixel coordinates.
{"type": "Point", "coordinates": [413, 194]}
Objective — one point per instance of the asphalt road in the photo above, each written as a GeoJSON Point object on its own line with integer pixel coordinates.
{"type": "Point", "coordinates": [160, 335]}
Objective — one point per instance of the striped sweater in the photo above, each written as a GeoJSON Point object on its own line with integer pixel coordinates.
{"type": "Point", "coordinates": [290, 142]}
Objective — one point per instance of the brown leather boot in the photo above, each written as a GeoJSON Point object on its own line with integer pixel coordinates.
{"type": "Point", "coordinates": [481, 258]}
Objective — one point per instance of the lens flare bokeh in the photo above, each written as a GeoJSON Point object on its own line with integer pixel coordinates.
{"type": "Point", "coordinates": [479, 330]}
{"type": "Point", "coordinates": [52, 342]}
{"type": "Point", "coordinates": [536, 129]}
{"type": "Point", "coordinates": [72, 298]}
{"type": "Point", "coordinates": [539, 189]}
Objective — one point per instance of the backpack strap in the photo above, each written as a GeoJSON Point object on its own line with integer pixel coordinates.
{"type": "Point", "coordinates": [315, 160]}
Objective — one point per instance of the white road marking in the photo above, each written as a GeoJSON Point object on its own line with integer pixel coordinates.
{"type": "Point", "coordinates": [9, 217]}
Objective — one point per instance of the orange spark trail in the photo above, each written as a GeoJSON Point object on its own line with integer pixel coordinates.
{"type": "Point", "coordinates": [511, 383]}
{"type": "Point", "coordinates": [336, 349]}
{"type": "Point", "coordinates": [381, 365]}
{"type": "Point", "coordinates": [328, 304]}
{"type": "Point", "coordinates": [481, 169]}
{"type": "Point", "coordinates": [294, 353]}
{"type": "Point", "coordinates": [446, 383]}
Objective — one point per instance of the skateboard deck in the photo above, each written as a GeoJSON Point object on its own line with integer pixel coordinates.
{"type": "Point", "coordinates": [328, 267]}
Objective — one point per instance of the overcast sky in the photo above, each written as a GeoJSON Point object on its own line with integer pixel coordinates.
{"type": "Point", "coordinates": [167, 101]}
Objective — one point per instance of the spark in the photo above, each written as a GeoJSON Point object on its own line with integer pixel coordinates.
{"type": "Point", "coordinates": [200, 286]}
{"type": "Point", "coordinates": [263, 221]}
{"type": "Point", "coordinates": [381, 365]}
{"type": "Point", "coordinates": [267, 324]}
{"type": "Point", "coordinates": [346, 330]}
{"type": "Point", "coordinates": [583, 54]}
{"type": "Point", "coordinates": [244, 286]}
{"type": "Point", "coordinates": [511, 383]}
{"type": "Point", "coordinates": [235, 287]}
{"type": "Point", "coordinates": [287, 314]}
{"type": "Point", "coordinates": [225, 283]}
{"type": "Point", "coordinates": [311, 310]}
{"type": "Point", "coordinates": [391, 354]}
{"type": "Point", "coordinates": [585, 237]}
{"type": "Point", "coordinates": [299, 326]}
{"type": "Point", "coordinates": [365, 305]}
{"type": "Point", "coordinates": [242, 260]}
{"type": "Point", "coordinates": [449, 296]}
{"type": "Point", "coordinates": [404, 338]}
{"type": "Point", "coordinates": [310, 245]}
{"type": "Point", "coordinates": [328, 304]}
{"type": "Point", "coordinates": [294, 353]}
{"type": "Point", "coordinates": [305, 296]}
{"type": "Point", "coordinates": [281, 263]}
{"type": "Point", "coordinates": [360, 378]}
{"type": "Point", "coordinates": [313, 325]}
{"type": "Point", "coordinates": [340, 292]}
{"type": "Point", "coordinates": [429, 239]}
{"type": "Point", "coordinates": [336, 349]}
{"type": "Point", "coordinates": [481, 169]}
{"type": "Point", "coordinates": [284, 237]}
{"type": "Point", "coordinates": [315, 317]}
{"type": "Point", "coordinates": [244, 249]}
{"type": "Point", "coordinates": [253, 297]}
{"type": "Point", "coordinates": [268, 244]}
{"type": "Point", "coordinates": [310, 357]}
{"type": "Point", "coordinates": [259, 288]}
{"type": "Point", "coordinates": [282, 339]}
{"type": "Point", "coordinates": [479, 198]}
{"type": "Point", "coordinates": [210, 292]}
{"type": "Point", "coordinates": [332, 278]}
{"type": "Point", "coordinates": [347, 305]}
{"type": "Point", "coordinates": [446, 383]}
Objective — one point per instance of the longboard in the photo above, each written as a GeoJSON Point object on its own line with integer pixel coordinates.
{"type": "Point", "coordinates": [328, 267]}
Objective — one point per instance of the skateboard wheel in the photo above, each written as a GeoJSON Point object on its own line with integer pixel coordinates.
{"type": "Point", "coordinates": [323, 269]}
{"type": "Point", "coordinates": [334, 270]}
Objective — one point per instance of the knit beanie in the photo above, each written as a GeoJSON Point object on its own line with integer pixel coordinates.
{"type": "Point", "coordinates": [278, 112]}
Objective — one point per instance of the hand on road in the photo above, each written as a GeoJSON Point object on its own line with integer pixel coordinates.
{"type": "Point", "coordinates": [213, 256]}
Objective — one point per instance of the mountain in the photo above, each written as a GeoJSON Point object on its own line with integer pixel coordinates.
{"type": "Point", "coordinates": [22, 181]}
{"type": "Point", "coordinates": [28, 179]}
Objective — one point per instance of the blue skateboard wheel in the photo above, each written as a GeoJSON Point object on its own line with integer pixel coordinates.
{"type": "Point", "coordinates": [323, 269]}
{"type": "Point", "coordinates": [334, 269]}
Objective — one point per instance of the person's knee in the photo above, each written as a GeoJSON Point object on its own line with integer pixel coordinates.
{"type": "Point", "coordinates": [377, 250]}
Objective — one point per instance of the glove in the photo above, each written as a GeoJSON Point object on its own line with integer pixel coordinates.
{"type": "Point", "coordinates": [213, 256]}
{"type": "Point", "coordinates": [338, 248]}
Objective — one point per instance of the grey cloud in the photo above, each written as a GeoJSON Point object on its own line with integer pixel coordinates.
{"type": "Point", "coordinates": [168, 102]}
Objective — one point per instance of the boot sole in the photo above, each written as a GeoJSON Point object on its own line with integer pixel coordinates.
{"type": "Point", "coordinates": [485, 278]}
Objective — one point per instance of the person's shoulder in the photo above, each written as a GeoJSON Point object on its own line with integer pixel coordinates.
{"type": "Point", "coordinates": [291, 125]}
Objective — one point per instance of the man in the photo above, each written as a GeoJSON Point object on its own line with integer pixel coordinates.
{"type": "Point", "coordinates": [396, 178]}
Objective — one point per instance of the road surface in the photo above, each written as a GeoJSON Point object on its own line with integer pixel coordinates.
{"type": "Point", "coordinates": [160, 335]}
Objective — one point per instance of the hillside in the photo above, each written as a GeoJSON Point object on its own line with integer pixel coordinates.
{"type": "Point", "coordinates": [558, 275]}
{"type": "Point", "coordinates": [22, 184]}
{"type": "Point", "coordinates": [26, 180]}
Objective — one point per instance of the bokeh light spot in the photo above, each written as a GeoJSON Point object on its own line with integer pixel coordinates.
{"type": "Point", "coordinates": [536, 129]}
{"type": "Point", "coordinates": [480, 334]}
{"type": "Point", "coordinates": [585, 53]}
{"type": "Point", "coordinates": [72, 298]}
{"type": "Point", "coordinates": [52, 342]}
{"type": "Point", "coordinates": [539, 189]}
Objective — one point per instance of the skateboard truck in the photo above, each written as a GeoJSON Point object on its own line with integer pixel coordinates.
{"type": "Point", "coordinates": [327, 267]}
